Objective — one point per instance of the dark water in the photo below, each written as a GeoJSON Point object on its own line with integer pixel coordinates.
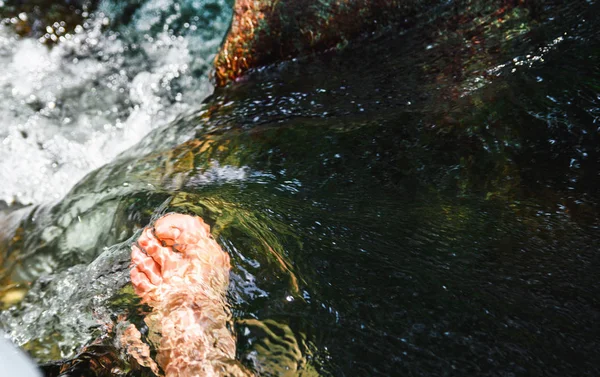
{"type": "Point", "coordinates": [423, 203]}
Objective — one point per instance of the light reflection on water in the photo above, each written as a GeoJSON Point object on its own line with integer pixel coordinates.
{"type": "Point", "coordinates": [391, 216]}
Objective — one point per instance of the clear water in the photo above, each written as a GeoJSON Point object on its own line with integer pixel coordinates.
{"type": "Point", "coordinates": [421, 204]}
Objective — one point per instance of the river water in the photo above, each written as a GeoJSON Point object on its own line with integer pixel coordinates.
{"type": "Point", "coordinates": [422, 203]}
{"type": "Point", "coordinates": [110, 78]}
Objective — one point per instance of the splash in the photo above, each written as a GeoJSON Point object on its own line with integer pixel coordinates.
{"type": "Point", "coordinates": [99, 89]}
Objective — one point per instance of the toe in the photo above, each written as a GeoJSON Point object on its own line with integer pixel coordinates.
{"type": "Point", "coordinates": [140, 282]}
{"type": "Point", "coordinates": [153, 247]}
{"type": "Point", "coordinates": [169, 228]}
{"type": "Point", "coordinates": [145, 264]}
{"type": "Point", "coordinates": [177, 229]}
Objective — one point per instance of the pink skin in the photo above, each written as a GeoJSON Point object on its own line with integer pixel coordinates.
{"type": "Point", "coordinates": [179, 248]}
{"type": "Point", "coordinates": [183, 273]}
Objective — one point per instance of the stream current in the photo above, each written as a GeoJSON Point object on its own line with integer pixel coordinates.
{"type": "Point", "coordinates": [423, 202]}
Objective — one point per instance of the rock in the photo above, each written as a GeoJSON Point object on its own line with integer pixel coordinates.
{"type": "Point", "coordinates": [263, 32]}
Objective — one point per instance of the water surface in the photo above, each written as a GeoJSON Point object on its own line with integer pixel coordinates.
{"type": "Point", "coordinates": [422, 203]}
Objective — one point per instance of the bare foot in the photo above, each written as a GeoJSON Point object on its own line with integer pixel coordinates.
{"type": "Point", "coordinates": [178, 252]}
{"type": "Point", "coordinates": [183, 273]}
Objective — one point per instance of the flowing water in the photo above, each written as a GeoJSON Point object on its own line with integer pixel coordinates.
{"type": "Point", "coordinates": [422, 203]}
{"type": "Point", "coordinates": [110, 78]}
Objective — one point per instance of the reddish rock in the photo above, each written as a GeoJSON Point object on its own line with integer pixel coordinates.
{"type": "Point", "coordinates": [263, 32]}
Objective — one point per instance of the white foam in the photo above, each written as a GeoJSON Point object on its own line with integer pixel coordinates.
{"type": "Point", "coordinates": [72, 108]}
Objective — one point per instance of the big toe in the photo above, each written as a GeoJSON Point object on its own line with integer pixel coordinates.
{"type": "Point", "coordinates": [180, 230]}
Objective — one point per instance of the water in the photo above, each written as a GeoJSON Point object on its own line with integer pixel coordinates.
{"type": "Point", "coordinates": [422, 204]}
{"type": "Point", "coordinates": [107, 81]}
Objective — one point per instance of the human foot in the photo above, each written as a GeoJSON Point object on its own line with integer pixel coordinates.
{"type": "Point", "coordinates": [183, 273]}
{"type": "Point", "coordinates": [177, 253]}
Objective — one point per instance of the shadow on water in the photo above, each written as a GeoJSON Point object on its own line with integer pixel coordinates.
{"type": "Point", "coordinates": [424, 203]}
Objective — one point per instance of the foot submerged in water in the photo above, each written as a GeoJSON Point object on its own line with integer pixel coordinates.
{"type": "Point", "coordinates": [183, 274]}
{"type": "Point", "coordinates": [177, 254]}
